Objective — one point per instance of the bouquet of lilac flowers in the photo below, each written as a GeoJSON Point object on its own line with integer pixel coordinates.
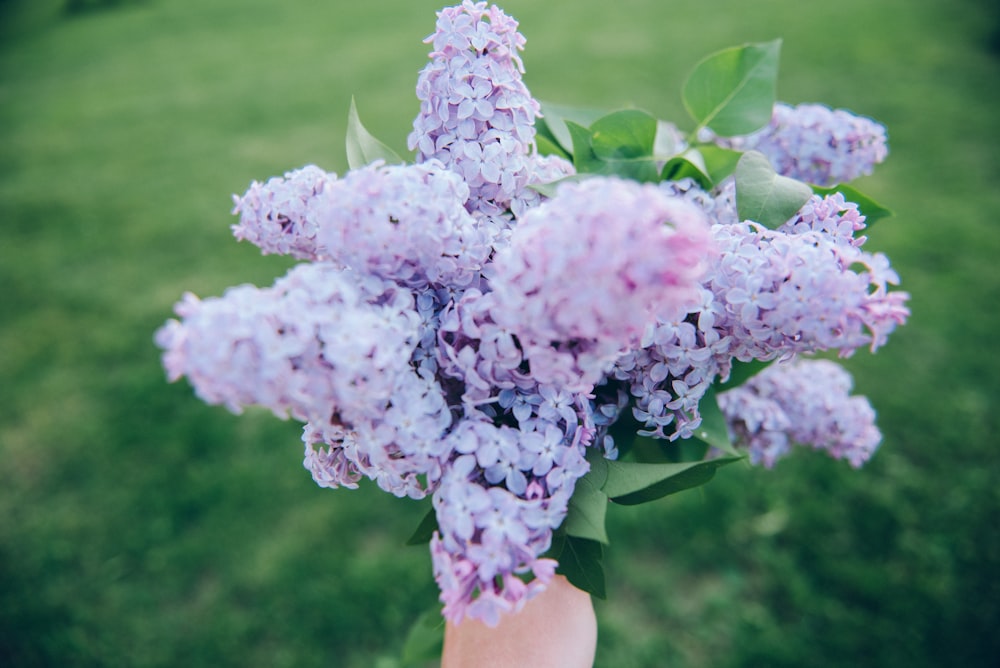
{"type": "Point", "coordinates": [549, 308]}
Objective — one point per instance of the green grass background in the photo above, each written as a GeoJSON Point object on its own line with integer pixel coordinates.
{"type": "Point", "coordinates": [141, 528]}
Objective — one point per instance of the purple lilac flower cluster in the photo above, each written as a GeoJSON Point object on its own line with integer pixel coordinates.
{"type": "Point", "coordinates": [564, 301]}
{"type": "Point", "coordinates": [806, 402]}
{"type": "Point", "coordinates": [275, 215]}
{"type": "Point", "coordinates": [406, 223]}
{"type": "Point", "coordinates": [638, 267]}
{"type": "Point", "coordinates": [451, 390]}
{"type": "Point", "coordinates": [476, 114]}
{"type": "Point", "coordinates": [454, 333]}
{"type": "Point", "coordinates": [769, 294]}
{"type": "Point", "coordinates": [294, 348]}
{"type": "Point", "coordinates": [816, 144]}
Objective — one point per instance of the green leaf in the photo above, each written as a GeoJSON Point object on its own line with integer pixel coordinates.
{"type": "Point", "coordinates": [624, 141]}
{"type": "Point", "coordinates": [741, 373]}
{"type": "Point", "coordinates": [644, 171]}
{"type": "Point", "coordinates": [542, 131]}
{"type": "Point", "coordinates": [554, 117]}
{"type": "Point", "coordinates": [683, 166]}
{"type": "Point", "coordinates": [713, 429]}
{"type": "Point", "coordinates": [733, 91]}
{"type": "Point", "coordinates": [549, 189]}
{"type": "Point", "coordinates": [548, 146]}
{"type": "Point", "coordinates": [720, 163]}
{"type": "Point", "coordinates": [685, 450]}
{"type": "Point", "coordinates": [623, 135]}
{"type": "Point", "coordinates": [584, 159]}
{"type": "Point", "coordinates": [362, 147]}
{"type": "Point", "coordinates": [668, 142]}
{"type": "Point", "coordinates": [764, 196]}
{"type": "Point", "coordinates": [588, 506]}
{"type": "Point", "coordinates": [425, 639]}
{"type": "Point", "coordinates": [425, 530]}
{"type": "Point", "coordinates": [631, 483]}
{"type": "Point", "coordinates": [708, 165]}
{"type": "Point", "coordinates": [619, 144]}
{"type": "Point", "coordinates": [580, 561]}
{"type": "Point", "coordinates": [872, 210]}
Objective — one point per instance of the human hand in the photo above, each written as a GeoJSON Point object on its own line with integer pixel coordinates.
{"type": "Point", "coordinates": [557, 628]}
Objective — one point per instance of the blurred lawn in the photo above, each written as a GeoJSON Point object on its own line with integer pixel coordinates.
{"type": "Point", "coordinates": [139, 527]}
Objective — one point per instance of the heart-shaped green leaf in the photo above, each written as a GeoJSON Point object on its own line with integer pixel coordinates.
{"type": "Point", "coordinates": [624, 135]}
{"type": "Point", "coordinates": [548, 146]}
{"type": "Point", "coordinates": [706, 164]}
{"type": "Point", "coordinates": [720, 163]}
{"type": "Point", "coordinates": [619, 144]}
{"type": "Point", "coordinates": [764, 196]}
{"type": "Point", "coordinates": [585, 161]}
{"type": "Point", "coordinates": [733, 91]}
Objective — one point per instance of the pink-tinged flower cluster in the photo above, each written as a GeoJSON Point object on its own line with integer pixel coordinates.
{"type": "Point", "coordinates": [290, 347]}
{"type": "Point", "coordinates": [769, 294]}
{"type": "Point", "coordinates": [796, 293]}
{"type": "Point", "coordinates": [275, 216]}
{"type": "Point", "coordinates": [496, 508]}
{"type": "Point", "coordinates": [589, 269]}
{"type": "Point", "coordinates": [476, 115]}
{"type": "Point", "coordinates": [807, 402]}
{"type": "Point", "coordinates": [294, 348]}
{"type": "Point", "coordinates": [816, 144]}
{"type": "Point", "coordinates": [406, 223]}
{"type": "Point", "coordinates": [519, 448]}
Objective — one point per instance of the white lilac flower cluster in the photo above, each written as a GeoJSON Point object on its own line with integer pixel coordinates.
{"type": "Point", "coordinates": [454, 333]}
{"type": "Point", "coordinates": [816, 144]}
